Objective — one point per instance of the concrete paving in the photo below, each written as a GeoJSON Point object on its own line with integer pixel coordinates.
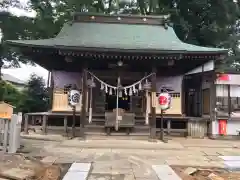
{"type": "Point", "coordinates": [131, 163]}
{"type": "Point", "coordinates": [231, 162]}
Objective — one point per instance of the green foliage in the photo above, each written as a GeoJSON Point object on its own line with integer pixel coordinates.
{"type": "Point", "coordinates": [202, 22]}
{"type": "Point", "coordinates": [35, 95]}
{"type": "Point", "coordinates": [11, 95]}
{"type": "Point", "coordinates": [34, 98]}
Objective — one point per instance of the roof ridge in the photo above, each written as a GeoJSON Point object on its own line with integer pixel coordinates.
{"type": "Point", "coordinates": [10, 78]}
{"type": "Point", "coordinates": [166, 16]}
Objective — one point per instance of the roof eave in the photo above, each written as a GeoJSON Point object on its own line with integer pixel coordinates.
{"type": "Point", "coordinates": [97, 49]}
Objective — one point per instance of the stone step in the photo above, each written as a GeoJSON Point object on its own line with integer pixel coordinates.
{"type": "Point", "coordinates": [78, 171]}
{"type": "Point", "coordinates": [165, 172]}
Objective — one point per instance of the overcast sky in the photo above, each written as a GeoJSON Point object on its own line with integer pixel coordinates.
{"type": "Point", "coordinates": [25, 71]}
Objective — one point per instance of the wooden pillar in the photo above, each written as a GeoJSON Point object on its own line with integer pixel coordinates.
{"type": "Point", "coordinates": [48, 79]}
{"type": "Point", "coordinates": [84, 104]}
{"type": "Point", "coordinates": [65, 125]}
{"type": "Point", "coordinates": [201, 91]}
{"type": "Point", "coordinates": [212, 110]}
{"type": "Point", "coordinates": [51, 91]}
{"type": "Point", "coordinates": [153, 105]}
{"type": "Point", "coordinates": [44, 124]}
{"type": "Point", "coordinates": [183, 95]}
{"type": "Point", "coordinates": [229, 100]}
{"type": "Point", "coordinates": [26, 124]}
{"type": "Point", "coordinates": [168, 126]}
{"type": "Point", "coordinates": [33, 120]}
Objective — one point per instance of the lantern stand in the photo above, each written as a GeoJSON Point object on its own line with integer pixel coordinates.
{"type": "Point", "coordinates": [74, 121]}
{"type": "Point", "coordinates": [91, 84]}
{"type": "Point", "coordinates": [74, 97]}
{"type": "Point", "coordinates": [162, 129]}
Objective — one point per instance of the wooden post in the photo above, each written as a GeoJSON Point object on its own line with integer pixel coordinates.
{"type": "Point", "coordinates": [168, 126]}
{"type": "Point", "coordinates": [51, 91]}
{"type": "Point", "coordinates": [201, 91]}
{"type": "Point", "coordinates": [84, 104]}
{"type": "Point", "coordinates": [48, 79]}
{"type": "Point", "coordinates": [44, 124]}
{"type": "Point", "coordinates": [33, 120]}
{"type": "Point", "coordinates": [229, 100]}
{"type": "Point", "coordinates": [65, 125]}
{"type": "Point", "coordinates": [213, 117]}
{"type": "Point", "coordinates": [153, 106]}
{"type": "Point", "coordinates": [74, 122]}
{"type": "Point", "coordinates": [26, 124]}
{"type": "Point", "coordinates": [6, 135]}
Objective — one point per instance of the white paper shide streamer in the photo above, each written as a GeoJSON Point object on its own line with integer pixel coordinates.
{"type": "Point", "coordinates": [127, 90]}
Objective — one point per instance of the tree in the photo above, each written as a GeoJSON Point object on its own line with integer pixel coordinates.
{"type": "Point", "coordinates": [13, 27]}
{"type": "Point", "coordinates": [201, 22]}
{"type": "Point", "coordinates": [35, 95]}
{"type": "Point", "coordinates": [11, 95]}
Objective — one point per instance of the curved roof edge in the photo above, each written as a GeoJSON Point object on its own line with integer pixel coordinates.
{"type": "Point", "coordinates": [89, 34]}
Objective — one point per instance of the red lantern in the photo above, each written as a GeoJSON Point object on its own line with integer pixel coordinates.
{"type": "Point", "coordinates": [164, 101]}
{"type": "Point", "coordinates": [223, 77]}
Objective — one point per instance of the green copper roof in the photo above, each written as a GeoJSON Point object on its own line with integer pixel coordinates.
{"type": "Point", "coordinates": [112, 36]}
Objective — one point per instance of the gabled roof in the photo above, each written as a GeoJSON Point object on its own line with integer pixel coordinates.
{"type": "Point", "coordinates": [127, 33]}
{"type": "Point", "coordinates": [9, 78]}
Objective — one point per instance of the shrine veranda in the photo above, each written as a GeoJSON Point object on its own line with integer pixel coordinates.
{"type": "Point", "coordinates": [144, 56]}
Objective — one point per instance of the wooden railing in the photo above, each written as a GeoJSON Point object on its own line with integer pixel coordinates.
{"type": "Point", "coordinates": [60, 101]}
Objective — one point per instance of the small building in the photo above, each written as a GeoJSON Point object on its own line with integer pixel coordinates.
{"type": "Point", "coordinates": [130, 59]}
{"type": "Point", "coordinates": [17, 83]}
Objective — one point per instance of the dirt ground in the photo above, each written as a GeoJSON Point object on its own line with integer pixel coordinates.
{"type": "Point", "coordinates": [203, 173]}
{"type": "Point", "coordinates": [19, 166]}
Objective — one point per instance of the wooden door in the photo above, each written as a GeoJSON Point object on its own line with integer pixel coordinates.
{"type": "Point", "coordinates": [136, 104]}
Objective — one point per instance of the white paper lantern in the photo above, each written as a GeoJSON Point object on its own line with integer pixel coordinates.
{"type": "Point", "coordinates": [74, 97]}
{"type": "Point", "coordinates": [164, 101]}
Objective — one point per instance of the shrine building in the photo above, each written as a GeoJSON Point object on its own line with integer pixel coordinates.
{"type": "Point", "coordinates": [120, 64]}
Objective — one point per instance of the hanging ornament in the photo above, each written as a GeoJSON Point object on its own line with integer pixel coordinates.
{"type": "Point", "coordinates": [120, 93]}
{"type": "Point", "coordinates": [102, 86]}
{"type": "Point", "coordinates": [137, 91]}
{"type": "Point", "coordinates": [125, 91]}
{"type": "Point", "coordinates": [110, 91]}
{"type": "Point", "coordinates": [134, 89]}
{"type": "Point", "coordinates": [130, 92]}
{"type": "Point", "coordinates": [106, 89]}
{"type": "Point", "coordinates": [140, 86]}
